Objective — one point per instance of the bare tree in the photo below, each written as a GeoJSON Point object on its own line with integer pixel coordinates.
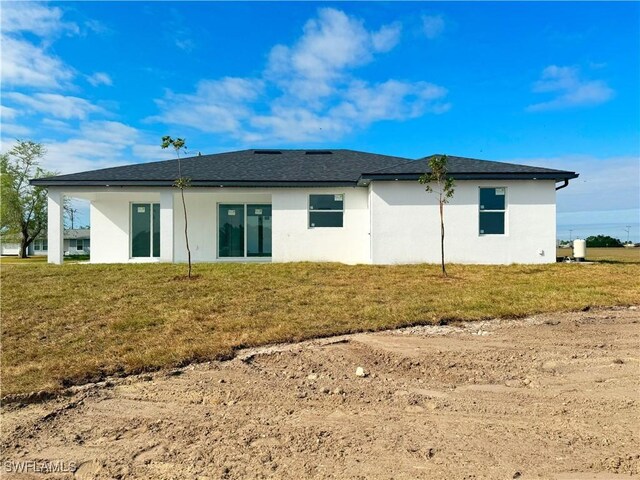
{"type": "Point", "coordinates": [437, 181]}
{"type": "Point", "coordinates": [181, 182]}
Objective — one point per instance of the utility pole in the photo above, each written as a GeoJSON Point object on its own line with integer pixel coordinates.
{"type": "Point", "coordinates": [570, 235]}
{"type": "Point", "coordinates": [72, 214]}
{"type": "Point", "coordinates": [628, 229]}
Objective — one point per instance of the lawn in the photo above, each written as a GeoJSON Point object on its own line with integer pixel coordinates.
{"type": "Point", "coordinates": [65, 325]}
{"type": "Point", "coordinates": [628, 255]}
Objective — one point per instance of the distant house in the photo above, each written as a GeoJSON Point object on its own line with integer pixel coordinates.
{"type": "Point", "coordinates": [75, 242]}
{"type": "Point", "coordinates": [312, 205]}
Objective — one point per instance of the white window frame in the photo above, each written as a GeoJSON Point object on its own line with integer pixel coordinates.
{"type": "Point", "coordinates": [309, 209]}
{"type": "Point", "coordinates": [481, 211]}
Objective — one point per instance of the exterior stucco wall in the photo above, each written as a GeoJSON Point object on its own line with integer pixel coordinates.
{"type": "Point", "coordinates": [294, 241]}
{"type": "Point", "coordinates": [109, 215]}
{"type": "Point", "coordinates": [387, 223]}
{"type": "Point", "coordinates": [202, 211]}
{"type": "Point", "coordinates": [406, 224]}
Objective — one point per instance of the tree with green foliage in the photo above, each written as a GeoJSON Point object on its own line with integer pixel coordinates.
{"type": "Point", "coordinates": [603, 241]}
{"type": "Point", "coordinates": [24, 206]}
{"type": "Point", "coordinates": [437, 181]}
{"type": "Point", "coordinates": [181, 182]}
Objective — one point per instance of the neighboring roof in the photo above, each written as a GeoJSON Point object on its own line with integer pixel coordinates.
{"type": "Point", "coordinates": [69, 234]}
{"type": "Point", "coordinates": [462, 168]}
{"type": "Point", "coordinates": [275, 168]}
{"type": "Point", "coordinates": [76, 233]}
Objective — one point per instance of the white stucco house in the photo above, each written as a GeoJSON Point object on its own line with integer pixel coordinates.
{"type": "Point", "coordinates": [312, 205]}
{"type": "Point", "coordinates": [76, 241]}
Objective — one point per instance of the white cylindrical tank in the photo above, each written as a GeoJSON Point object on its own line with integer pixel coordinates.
{"type": "Point", "coordinates": [579, 249]}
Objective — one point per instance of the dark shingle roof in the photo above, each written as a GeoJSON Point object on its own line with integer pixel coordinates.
{"type": "Point", "coordinates": [469, 168]}
{"type": "Point", "coordinates": [245, 167]}
{"type": "Point", "coordinates": [292, 168]}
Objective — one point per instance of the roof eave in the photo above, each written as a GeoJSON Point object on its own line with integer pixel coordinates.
{"type": "Point", "coordinates": [43, 182]}
{"type": "Point", "coordinates": [557, 176]}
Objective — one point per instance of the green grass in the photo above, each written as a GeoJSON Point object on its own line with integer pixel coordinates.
{"type": "Point", "coordinates": [69, 324]}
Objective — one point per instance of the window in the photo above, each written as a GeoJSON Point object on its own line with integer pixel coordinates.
{"type": "Point", "coordinates": [45, 245]}
{"type": "Point", "coordinates": [326, 210]}
{"type": "Point", "coordinates": [492, 210]}
{"type": "Point", "coordinates": [36, 245]}
{"type": "Point", "coordinates": [79, 244]}
{"type": "Point", "coordinates": [145, 229]}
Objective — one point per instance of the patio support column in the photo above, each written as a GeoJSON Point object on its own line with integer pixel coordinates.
{"type": "Point", "coordinates": [55, 226]}
{"type": "Point", "coordinates": [166, 225]}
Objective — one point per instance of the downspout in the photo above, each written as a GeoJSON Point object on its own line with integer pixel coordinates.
{"type": "Point", "coordinates": [564, 185]}
{"type": "Point", "coordinates": [371, 222]}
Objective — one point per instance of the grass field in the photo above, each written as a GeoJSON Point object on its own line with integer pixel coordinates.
{"type": "Point", "coordinates": [64, 325]}
{"type": "Point", "coordinates": [14, 260]}
{"type": "Point", "coordinates": [627, 255]}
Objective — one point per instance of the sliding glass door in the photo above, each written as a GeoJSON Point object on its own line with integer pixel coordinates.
{"type": "Point", "coordinates": [145, 230]}
{"type": "Point", "coordinates": [231, 226]}
{"type": "Point", "coordinates": [244, 230]}
{"type": "Point", "coordinates": [258, 230]}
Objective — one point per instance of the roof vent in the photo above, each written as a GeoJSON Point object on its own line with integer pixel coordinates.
{"type": "Point", "coordinates": [268, 152]}
{"type": "Point", "coordinates": [318, 152]}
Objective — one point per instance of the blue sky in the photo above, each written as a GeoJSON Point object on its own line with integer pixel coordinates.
{"type": "Point", "coordinates": [550, 84]}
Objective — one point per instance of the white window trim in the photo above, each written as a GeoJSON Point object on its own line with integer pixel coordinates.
{"type": "Point", "coordinates": [309, 210]}
{"type": "Point", "coordinates": [506, 206]}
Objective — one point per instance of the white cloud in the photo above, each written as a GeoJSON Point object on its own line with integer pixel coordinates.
{"type": "Point", "coordinates": [570, 89]}
{"type": "Point", "coordinates": [217, 106]}
{"type": "Point", "coordinates": [331, 44]}
{"type": "Point", "coordinates": [58, 125]}
{"type": "Point", "coordinates": [114, 133]}
{"type": "Point", "coordinates": [100, 78]}
{"type": "Point", "coordinates": [14, 129]}
{"type": "Point", "coordinates": [308, 90]}
{"type": "Point", "coordinates": [152, 152]}
{"type": "Point", "coordinates": [7, 113]}
{"type": "Point", "coordinates": [433, 25]}
{"type": "Point", "coordinates": [185, 44]}
{"type": "Point", "coordinates": [387, 37]}
{"type": "Point", "coordinates": [605, 183]}
{"type": "Point", "coordinates": [93, 145]}
{"type": "Point", "coordinates": [25, 64]}
{"type": "Point", "coordinates": [34, 17]}
{"type": "Point", "coordinates": [60, 106]}
{"type": "Point", "coordinates": [81, 154]}
{"type": "Point", "coordinates": [98, 144]}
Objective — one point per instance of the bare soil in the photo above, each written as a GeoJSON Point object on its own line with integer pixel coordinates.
{"type": "Point", "coordinates": [551, 396]}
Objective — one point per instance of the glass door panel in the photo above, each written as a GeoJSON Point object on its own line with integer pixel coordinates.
{"type": "Point", "coordinates": [140, 230]}
{"type": "Point", "coordinates": [231, 230]}
{"type": "Point", "coordinates": [156, 229]}
{"type": "Point", "coordinates": [258, 230]}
